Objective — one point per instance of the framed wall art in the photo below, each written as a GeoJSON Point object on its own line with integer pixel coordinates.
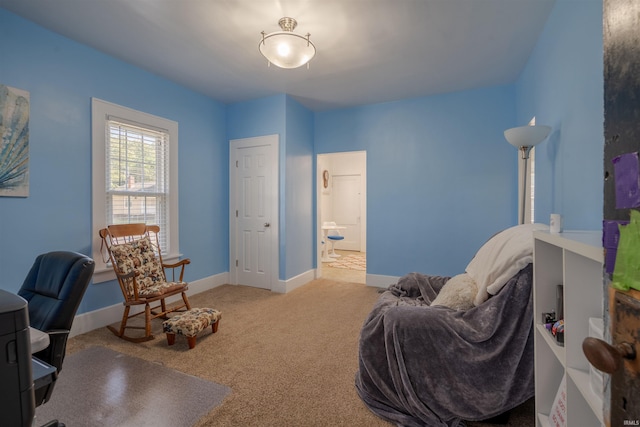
{"type": "Point", "coordinates": [14, 146]}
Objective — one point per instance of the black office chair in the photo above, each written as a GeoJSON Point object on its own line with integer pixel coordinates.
{"type": "Point", "coordinates": [53, 290]}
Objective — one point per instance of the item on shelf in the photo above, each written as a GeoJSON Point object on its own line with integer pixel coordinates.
{"type": "Point", "coordinates": [558, 415]}
{"type": "Point", "coordinates": [560, 302]}
{"type": "Point", "coordinates": [555, 223]}
{"type": "Point", "coordinates": [557, 330]}
{"type": "Point", "coordinates": [549, 318]}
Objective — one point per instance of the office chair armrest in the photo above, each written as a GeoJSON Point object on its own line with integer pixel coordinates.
{"type": "Point", "coordinates": [54, 354]}
{"type": "Point", "coordinates": [173, 267]}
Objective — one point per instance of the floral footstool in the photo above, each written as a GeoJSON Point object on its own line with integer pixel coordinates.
{"type": "Point", "coordinates": [190, 323]}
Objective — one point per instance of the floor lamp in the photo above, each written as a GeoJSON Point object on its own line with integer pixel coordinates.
{"type": "Point", "coordinates": [525, 138]}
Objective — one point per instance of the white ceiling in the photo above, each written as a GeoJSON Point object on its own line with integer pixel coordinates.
{"type": "Point", "coordinates": [368, 51]}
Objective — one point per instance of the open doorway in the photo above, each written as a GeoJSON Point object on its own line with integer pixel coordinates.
{"type": "Point", "coordinates": [342, 212]}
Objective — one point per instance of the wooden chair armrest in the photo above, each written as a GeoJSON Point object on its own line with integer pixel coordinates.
{"type": "Point", "coordinates": [173, 266]}
{"type": "Point", "coordinates": [180, 263]}
{"type": "Point", "coordinates": [124, 279]}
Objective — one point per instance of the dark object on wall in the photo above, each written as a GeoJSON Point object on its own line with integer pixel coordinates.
{"type": "Point", "coordinates": [621, 92]}
{"type": "Point", "coordinates": [621, 30]}
{"type": "Point", "coordinates": [610, 239]}
{"type": "Point", "coordinates": [620, 360]}
{"type": "Point", "coordinates": [626, 180]}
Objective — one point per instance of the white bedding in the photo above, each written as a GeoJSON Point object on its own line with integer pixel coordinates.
{"type": "Point", "coordinates": [501, 258]}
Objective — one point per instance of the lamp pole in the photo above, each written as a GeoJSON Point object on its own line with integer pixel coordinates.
{"type": "Point", "coordinates": [524, 150]}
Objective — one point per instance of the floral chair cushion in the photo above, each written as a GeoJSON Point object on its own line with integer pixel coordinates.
{"type": "Point", "coordinates": [140, 257]}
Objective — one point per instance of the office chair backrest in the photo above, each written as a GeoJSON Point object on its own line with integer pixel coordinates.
{"type": "Point", "coordinates": [53, 289]}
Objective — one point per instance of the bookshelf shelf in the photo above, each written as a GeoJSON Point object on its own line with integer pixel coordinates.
{"type": "Point", "coordinates": [573, 259]}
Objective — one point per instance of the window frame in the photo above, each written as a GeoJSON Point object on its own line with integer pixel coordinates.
{"type": "Point", "coordinates": [100, 113]}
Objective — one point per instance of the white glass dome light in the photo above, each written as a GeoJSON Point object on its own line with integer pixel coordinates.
{"type": "Point", "coordinates": [526, 137]}
{"type": "Point", "coordinates": [286, 49]}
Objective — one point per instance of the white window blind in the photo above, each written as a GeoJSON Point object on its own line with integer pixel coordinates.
{"type": "Point", "coordinates": [137, 175]}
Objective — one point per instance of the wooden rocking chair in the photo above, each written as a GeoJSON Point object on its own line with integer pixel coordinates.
{"type": "Point", "coordinates": [136, 259]}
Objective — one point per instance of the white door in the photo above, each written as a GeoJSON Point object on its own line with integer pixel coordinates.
{"type": "Point", "coordinates": [346, 210]}
{"type": "Point", "coordinates": [253, 202]}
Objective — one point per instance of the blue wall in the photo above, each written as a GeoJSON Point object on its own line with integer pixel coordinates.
{"type": "Point", "coordinates": [440, 176]}
{"type": "Point", "coordinates": [257, 117]}
{"type": "Point", "coordinates": [563, 86]}
{"type": "Point", "coordinates": [62, 77]}
{"type": "Point", "coordinates": [260, 117]}
{"type": "Point", "coordinates": [282, 115]}
{"type": "Point", "coordinates": [300, 196]}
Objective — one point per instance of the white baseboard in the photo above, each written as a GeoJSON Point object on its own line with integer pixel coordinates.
{"type": "Point", "coordinates": [102, 317]}
{"type": "Point", "coordinates": [284, 286]}
{"type": "Point", "coordinates": [380, 281]}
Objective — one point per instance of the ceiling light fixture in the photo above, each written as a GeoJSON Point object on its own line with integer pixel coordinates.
{"type": "Point", "coordinates": [285, 48]}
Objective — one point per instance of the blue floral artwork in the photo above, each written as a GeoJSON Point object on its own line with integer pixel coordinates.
{"type": "Point", "coordinates": [14, 147]}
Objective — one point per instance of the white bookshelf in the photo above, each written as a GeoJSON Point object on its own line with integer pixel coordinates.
{"type": "Point", "coordinates": [575, 260]}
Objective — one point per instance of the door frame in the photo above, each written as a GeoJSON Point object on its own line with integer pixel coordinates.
{"type": "Point", "coordinates": [272, 141]}
{"type": "Point", "coordinates": [320, 162]}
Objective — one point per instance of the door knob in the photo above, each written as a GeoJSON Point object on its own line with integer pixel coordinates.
{"type": "Point", "coordinates": [267, 225]}
{"type": "Point", "coordinates": [606, 357]}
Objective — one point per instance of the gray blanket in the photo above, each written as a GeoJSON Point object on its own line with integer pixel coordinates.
{"type": "Point", "coordinates": [434, 366]}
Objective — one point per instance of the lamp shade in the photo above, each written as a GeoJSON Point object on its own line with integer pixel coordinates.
{"type": "Point", "coordinates": [526, 136]}
{"type": "Point", "coordinates": [285, 48]}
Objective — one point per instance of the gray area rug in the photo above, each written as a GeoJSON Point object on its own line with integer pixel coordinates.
{"type": "Point", "coordinates": [111, 388]}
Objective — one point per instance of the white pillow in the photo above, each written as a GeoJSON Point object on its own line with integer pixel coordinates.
{"type": "Point", "coordinates": [458, 293]}
{"type": "Point", "coordinates": [501, 258]}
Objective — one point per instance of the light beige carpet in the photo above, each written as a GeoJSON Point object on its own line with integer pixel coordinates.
{"type": "Point", "coordinates": [289, 359]}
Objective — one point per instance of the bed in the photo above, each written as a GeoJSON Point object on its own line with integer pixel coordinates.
{"type": "Point", "coordinates": [429, 357]}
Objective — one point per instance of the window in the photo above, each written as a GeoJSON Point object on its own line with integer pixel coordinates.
{"type": "Point", "coordinates": [136, 184]}
{"type": "Point", "coordinates": [134, 175]}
